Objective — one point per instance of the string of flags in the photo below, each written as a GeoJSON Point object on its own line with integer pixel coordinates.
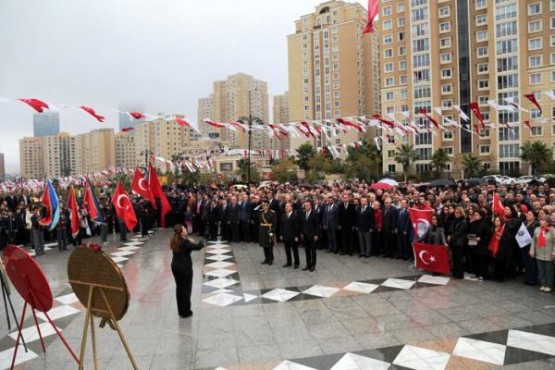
{"type": "Point", "coordinates": [392, 125]}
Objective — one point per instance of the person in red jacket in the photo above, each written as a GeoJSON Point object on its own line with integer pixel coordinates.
{"type": "Point", "coordinates": [377, 237]}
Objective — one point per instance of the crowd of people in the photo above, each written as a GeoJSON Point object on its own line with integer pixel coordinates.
{"type": "Point", "coordinates": [344, 218]}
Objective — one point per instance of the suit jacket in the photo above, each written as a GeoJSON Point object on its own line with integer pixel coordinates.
{"type": "Point", "coordinates": [235, 211]}
{"type": "Point", "coordinates": [403, 221]}
{"type": "Point", "coordinates": [330, 218]}
{"type": "Point", "coordinates": [244, 211]}
{"type": "Point", "coordinates": [365, 219]}
{"type": "Point", "coordinates": [290, 228]}
{"type": "Point", "coordinates": [346, 216]}
{"type": "Point", "coordinates": [309, 226]}
{"type": "Point", "coordinates": [389, 219]}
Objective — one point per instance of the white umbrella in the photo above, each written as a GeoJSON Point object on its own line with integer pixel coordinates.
{"type": "Point", "coordinates": [389, 182]}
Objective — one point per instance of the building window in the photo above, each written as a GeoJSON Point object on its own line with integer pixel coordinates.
{"type": "Point", "coordinates": [389, 96]}
{"type": "Point", "coordinates": [403, 64]}
{"type": "Point", "coordinates": [389, 81]}
{"type": "Point", "coordinates": [509, 151]}
{"type": "Point", "coordinates": [387, 39]}
{"type": "Point", "coordinates": [386, 11]}
{"type": "Point", "coordinates": [552, 23]}
{"type": "Point", "coordinates": [388, 53]}
{"type": "Point", "coordinates": [445, 57]}
{"type": "Point", "coordinates": [535, 78]}
{"type": "Point", "coordinates": [449, 150]}
{"type": "Point", "coordinates": [484, 133]}
{"type": "Point", "coordinates": [388, 67]}
{"type": "Point", "coordinates": [483, 68]}
{"type": "Point", "coordinates": [447, 135]}
{"type": "Point", "coordinates": [481, 19]}
{"type": "Point", "coordinates": [509, 134]}
{"type": "Point", "coordinates": [447, 104]}
{"type": "Point", "coordinates": [534, 26]}
{"type": "Point", "coordinates": [447, 89]}
{"type": "Point", "coordinates": [535, 44]}
{"type": "Point", "coordinates": [481, 36]}
{"type": "Point", "coordinates": [390, 153]}
{"type": "Point", "coordinates": [535, 61]}
{"type": "Point", "coordinates": [402, 51]}
{"type": "Point", "coordinates": [534, 9]}
{"type": "Point", "coordinates": [483, 84]}
{"type": "Point", "coordinates": [446, 73]}
{"type": "Point", "coordinates": [506, 29]}
{"type": "Point", "coordinates": [483, 100]}
{"type": "Point", "coordinates": [401, 22]}
{"type": "Point", "coordinates": [403, 80]}
{"type": "Point", "coordinates": [391, 168]}
{"type": "Point", "coordinates": [403, 94]}
{"type": "Point", "coordinates": [444, 11]}
{"type": "Point", "coordinates": [482, 51]}
{"type": "Point", "coordinates": [445, 42]}
{"type": "Point", "coordinates": [480, 4]}
{"type": "Point", "coordinates": [445, 27]}
{"type": "Point", "coordinates": [484, 149]}
{"type": "Point", "coordinates": [536, 131]}
{"type": "Point", "coordinates": [387, 25]}
{"type": "Point", "coordinates": [505, 12]}
{"type": "Point", "coordinates": [400, 7]}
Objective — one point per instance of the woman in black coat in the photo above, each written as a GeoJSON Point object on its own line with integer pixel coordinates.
{"type": "Point", "coordinates": [182, 268]}
{"type": "Point", "coordinates": [479, 236]}
{"type": "Point", "coordinates": [457, 241]}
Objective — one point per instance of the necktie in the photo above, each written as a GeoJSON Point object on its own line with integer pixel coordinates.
{"type": "Point", "coordinates": [363, 209]}
{"type": "Point", "coordinates": [307, 213]}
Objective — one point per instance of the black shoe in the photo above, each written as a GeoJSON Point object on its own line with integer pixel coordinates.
{"type": "Point", "coordinates": [366, 256]}
{"type": "Point", "coordinates": [306, 268]}
{"type": "Point", "coordinates": [312, 269]}
{"type": "Point", "coordinates": [361, 255]}
{"type": "Point", "coordinates": [271, 263]}
{"type": "Point", "coordinates": [342, 253]}
{"type": "Point", "coordinates": [335, 252]}
{"type": "Point", "coordinates": [264, 262]}
{"type": "Point", "coordinates": [296, 266]}
{"type": "Point", "coordinates": [328, 251]}
{"type": "Point", "coordinates": [286, 265]}
{"type": "Point", "coordinates": [186, 315]}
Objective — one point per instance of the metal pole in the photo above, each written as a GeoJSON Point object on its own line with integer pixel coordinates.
{"type": "Point", "coordinates": [249, 153]}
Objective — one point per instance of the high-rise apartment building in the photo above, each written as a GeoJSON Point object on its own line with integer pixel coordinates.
{"type": "Point", "coordinates": [161, 138]}
{"type": "Point", "coordinates": [280, 113]}
{"type": "Point", "coordinates": [125, 151]}
{"type": "Point", "coordinates": [438, 54]}
{"type": "Point", "coordinates": [333, 68]}
{"type": "Point", "coordinates": [46, 124]}
{"type": "Point", "coordinates": [2, 167]}
{"type": "Point", "coordinates": [205, 111]}
{"type": "Point", "coordinates": [51, 156]}
{"type": "Point", "coordinates": [95, 151]}
{"type": "Point", "coordinates": [239, 96]}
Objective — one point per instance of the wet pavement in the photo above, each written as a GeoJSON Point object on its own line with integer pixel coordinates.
{"type": "Point", "coordinates": [351, 313]}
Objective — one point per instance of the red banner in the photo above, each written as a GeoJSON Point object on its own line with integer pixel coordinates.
{"type": "Point", "coordinates": [431, 257]}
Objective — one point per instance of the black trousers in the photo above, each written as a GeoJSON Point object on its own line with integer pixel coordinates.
{"type": "Point", "coordinates": [458, 265]}
{"type": "Point", "coordinates": [310, 250]}
{"type": "Point", "coordinates": [403, 246]}
{"type": "Point", "coordinates": [347, 240]}
{"type": "Point", "coordinates": [183, 287]}
{"type": "Point", "coordinates": [213, 230]}
{"type": "Point", "coordinates": [245, 231]}
{"type": "Point", "coordinates": [390, 241]}
{"type": "Point", "coordinates": [291, 247]}
{"type": "Point", "coordinates": [235, 232]}
{"type": "Point", "coordinates": [269, 254]}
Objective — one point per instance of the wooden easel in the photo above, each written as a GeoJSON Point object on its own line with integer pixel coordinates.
{"type": "Point", "coordinates": [89, 321]}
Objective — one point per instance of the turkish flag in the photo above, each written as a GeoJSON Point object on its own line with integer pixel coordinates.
{"type": "Point", "coordinates": [498, 207]}
{"type": "Point", "coordinates": [93, 113]}
{"type": "Point", "coordinates": [372, 13]}
{"type": "Point", "coordinates": [183, 122]}
{"type": "Point", "coordinates": [533, 100]}
{"type": "Point", "coordinates": [36, 104]}
{"type": "Point", "coordinates": [73, 212]}
{"type": "Point", "coordinates": [431, 257]}
{"type": "Point", "coordinates": [432, 119]}
{"type": "Point", "coordinates": [421, 220]}
{"type": "Point", "coordinates": [475, 108]}
{"type": "Point", "coordinates": [137, 115]}
{"type": "Point", "coordinates": [124, 208]}
{"type": "Point", "coordinates": [140, 186]}
{"type": "Point", "coordinates": [157, 192]}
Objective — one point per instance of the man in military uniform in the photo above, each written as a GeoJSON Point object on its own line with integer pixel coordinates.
{"type": "Point", "coordinates": [266, 235]}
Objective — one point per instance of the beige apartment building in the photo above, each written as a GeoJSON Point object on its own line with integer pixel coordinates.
{"type": "Point", "coordinates": [125, 150]}
{"type": "Point", "coordinates": [280, 113]}
{"type": "Point", "coordinates": [95, 151]}
{"type": "Point", "coordinates": [333, 69]}
{"type": "Point", "coordinates": [51, 156]}
{"type": "Point", "coordinates": [161, 138]}
{"type": "Point", "coordinates": [439, 54]}
{"type": "Point", "coordinates": [239, 96]}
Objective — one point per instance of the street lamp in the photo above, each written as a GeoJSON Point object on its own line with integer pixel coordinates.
{"type": "Point", "coordinates": [249, 121]}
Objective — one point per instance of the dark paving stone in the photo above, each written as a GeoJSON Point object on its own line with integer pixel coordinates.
{"type": "Point", "coordinates": [320, 362]}
{"type": "Point", "coordinates": [387, 354]}
{"type": "Point", "coordinates": [499, 337]}
{"type": "Point", "coordinates": [517, 356]}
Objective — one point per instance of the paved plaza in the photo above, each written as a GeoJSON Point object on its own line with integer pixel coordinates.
{"type": "Point", "coordinates": [351, 313]}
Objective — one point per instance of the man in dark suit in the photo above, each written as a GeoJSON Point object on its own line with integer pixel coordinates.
{"type": "Point", "coordinates": [309, 235]}
{"type": "Point", "coordinates": [233, 220]}
{"type": "Point", "coordinates": [225, 226]}
{"type": "Point", "coordinates": [364, 223]}
{"type": "Point", "coordinates": [267, 233]}
{"type": "Point", "coordinates": [346, 214]}
{"type": "Point", "coordinates": [244, 218]}
{"type": "Point", "coordinates": [254, 217]}
{"type": "Point", "coordinates": [214, 218]}
{"type": "Point", "coordinates": [330, 221]}
{"type": "Point", "coordinates": [404, 229]}
{"type": "Point", "coordinates": [390, 229]}
{"type": "Point", "coordinates": [290, 234]}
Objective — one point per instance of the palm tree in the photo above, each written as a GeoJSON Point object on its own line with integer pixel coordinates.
{"type": "Point", "coordinates": [406, 155]}
{"type": "Point", "coordinates": [366, 155]}
{"type": "Point", "coordinates": [471, 165]}
{"type": "Point", "coordinates": [304, 153]}
{"type": "Point", "coordinates": [440, 159]}
{"type": "Point", "coordinates": [537, 154]}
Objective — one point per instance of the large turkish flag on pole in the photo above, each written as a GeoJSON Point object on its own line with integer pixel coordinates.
{"type": "Point", "coordinates": [140, 186]}
{"type": "Point", "coordinates": [124, 208]}
{"type": "Point", "coordinates": [431, 257]}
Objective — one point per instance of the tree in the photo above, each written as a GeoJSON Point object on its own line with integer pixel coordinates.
{"type": "Point", "coordinates": [364, 162]}
{"type": "Point", "coordinates": [243, 169]}
{"type": "Point", "coordinates": [471, 165]}
{"type": "Point", "coordinates": [537, 154]}
{"type": "Point", "coordinates": [318, 165]}
{"type": "Point", "coordinates": [304, 153]}
{"type": "Point", "coordinates": [284, 170]}
{"type": "Point", "coordinates": [440, 159]}
{"type": "Point", "coordinates": [406, 155]}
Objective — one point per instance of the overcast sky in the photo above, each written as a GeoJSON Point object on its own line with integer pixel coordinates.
{"type": "Point", "coordinates": [164, 54]}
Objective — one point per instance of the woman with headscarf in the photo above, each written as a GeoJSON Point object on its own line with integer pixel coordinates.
{"type": "Point", "coordinates": [543, 250]}
{"type": "Point", "coordinates": [182, 268]}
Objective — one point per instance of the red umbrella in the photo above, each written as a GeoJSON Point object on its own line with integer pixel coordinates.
{"type": "Point", "coordinates": [380, 185]}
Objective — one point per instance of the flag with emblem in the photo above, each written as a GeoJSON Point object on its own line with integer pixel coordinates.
{"type": "Point", "coordinates": [432, 257]}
